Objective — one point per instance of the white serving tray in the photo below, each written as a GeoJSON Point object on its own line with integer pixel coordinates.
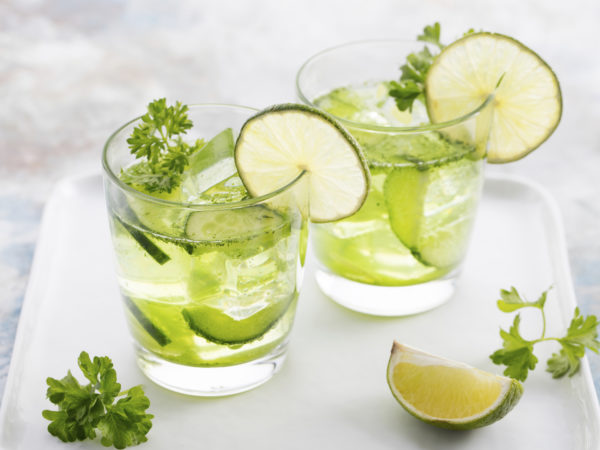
{"type": "Point", "coordinates": [332, 391]}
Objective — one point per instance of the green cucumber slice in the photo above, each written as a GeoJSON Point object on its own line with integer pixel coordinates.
{"type": "Point", "coordinates": [431, 209]}
{"type": "Point", "coordinates": [405, 190]}
{"type": "Point", "coordinates": [240, 232]}
{"type": "Point", "coordinates": [144, 241]}
{"type": "Point", "coordinates": [215, 325]}
{"type": "Point", "coordinates": [158, 335]}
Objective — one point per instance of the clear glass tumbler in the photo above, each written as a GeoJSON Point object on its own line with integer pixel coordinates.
{"type": "Point", "coordinates": [209, 290]}
{"type": "Point", "coordinates": [401, 252]}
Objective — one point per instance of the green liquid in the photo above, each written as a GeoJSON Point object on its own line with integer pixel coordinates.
{"type": "Point", "coordinates": [207, 288]}
{"type": "Point", "coordinates": [415, 224]}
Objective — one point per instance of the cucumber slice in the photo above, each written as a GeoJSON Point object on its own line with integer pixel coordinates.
{"type": "Point", "coordinates": [215, 325]}
{"type": "Point", "coordinates": [132, 224]}
{"type": "Point", "coordinates": [404, 192]}
{"type": "Point", "coordinates": [144, 241]}
{"type": "Point", "coordinates": [238, 232]}
{"type": "Point", "coordinates": [158, 335]}
{"type": "Point", "coordinates": [431, 209]}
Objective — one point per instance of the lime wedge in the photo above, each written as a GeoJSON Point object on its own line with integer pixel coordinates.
{"type": "Point", "coordinates": [527, 96]}
{"type": "Point", "coordinates": [431, 217]}
{"type": "Point", "coordinates": [276, 145]}
{"type": "Point", "coordinates": [214, 325]}
{"type": "Point", "coordinates": [449, 394]}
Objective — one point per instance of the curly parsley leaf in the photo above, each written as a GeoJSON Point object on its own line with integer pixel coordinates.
{"type": "Point", "coordinates": [412, 80]}
{"type": "Point", "coordinates": [83, 410]}
{"type": "Point", "coordinates": [157, 141]}
{"type": "Point", "coordinates": [142, 175]}
{"type": "Point", "coordinates": [126, 422]}
{"type": "Point", "coordinates": [431, 34]}
{"type": "Point", "coordinates": [511, 301]}
{"type": "Point", "coordinates": [405, 93]}
{"type": "Point", "coordinates": [581, 334]}
{"type": "Point", "coordinates": [566, 362]}
{"type": "Point", "coordinates": [517, 352]}
{"type": "Point", "coordinates": [79, 409]}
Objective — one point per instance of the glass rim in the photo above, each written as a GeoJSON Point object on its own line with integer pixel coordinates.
{"type": "Point", "coordinates": [191, 205]}
{"type": "Point", "coordinates": [384, 128]}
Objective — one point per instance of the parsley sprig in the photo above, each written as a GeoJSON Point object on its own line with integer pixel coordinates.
{"type": "Point", "coordinates": [157, 141]}
{"type": "Point", "coordinates": [85, 409]}
{"type": "Point", "coordinates": [411, 85]}
{"type": "Point", "coordinates": [517, 352]}
{"type": "Point", "coordinates": [412, 81]}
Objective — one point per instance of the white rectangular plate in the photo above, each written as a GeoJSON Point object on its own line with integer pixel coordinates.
{"type": "Point", "coordinates": [332, 391]}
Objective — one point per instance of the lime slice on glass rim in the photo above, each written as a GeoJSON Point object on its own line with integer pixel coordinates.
{"type": "Point", "coordinates": [527, 97]}
{"type": "Point", "coordinates": [279, 143]}
{"type": "Point", "coordinates": [449, 394]}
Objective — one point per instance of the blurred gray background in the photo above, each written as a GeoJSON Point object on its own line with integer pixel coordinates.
{"type": "Point", "coordinates": [72, 71]}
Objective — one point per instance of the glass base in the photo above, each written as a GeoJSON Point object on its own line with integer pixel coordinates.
{"type": "Point", "coordinates": [386, 300]}
{"type": "Point", "coordinates": [210, 381]}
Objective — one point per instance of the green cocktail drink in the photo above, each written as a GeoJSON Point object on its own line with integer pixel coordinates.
{"type": "Point", "coordinates": [401, 252]}
{"type": "Point", "coordinates": [417, 217]}
{"type": "Point", "coordinates": [209, 277]}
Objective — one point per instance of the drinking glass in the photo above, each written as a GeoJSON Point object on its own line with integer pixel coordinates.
{"type": "Point", "coordinates": [209, 290]}
{"type": "Point", "coordinates": [401, 253]}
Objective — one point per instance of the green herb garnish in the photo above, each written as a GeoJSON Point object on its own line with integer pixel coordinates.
{"type": "Point", "coordinates": [411, 85]}
{"type": "Point", "coordinates": [82, 410]}
{"type": "Point", "coordinates": [158, 143]}
{"type": "Point", "coordinates": [517, 352]}
{"type": "Point", "coordinates": [412, 81]}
